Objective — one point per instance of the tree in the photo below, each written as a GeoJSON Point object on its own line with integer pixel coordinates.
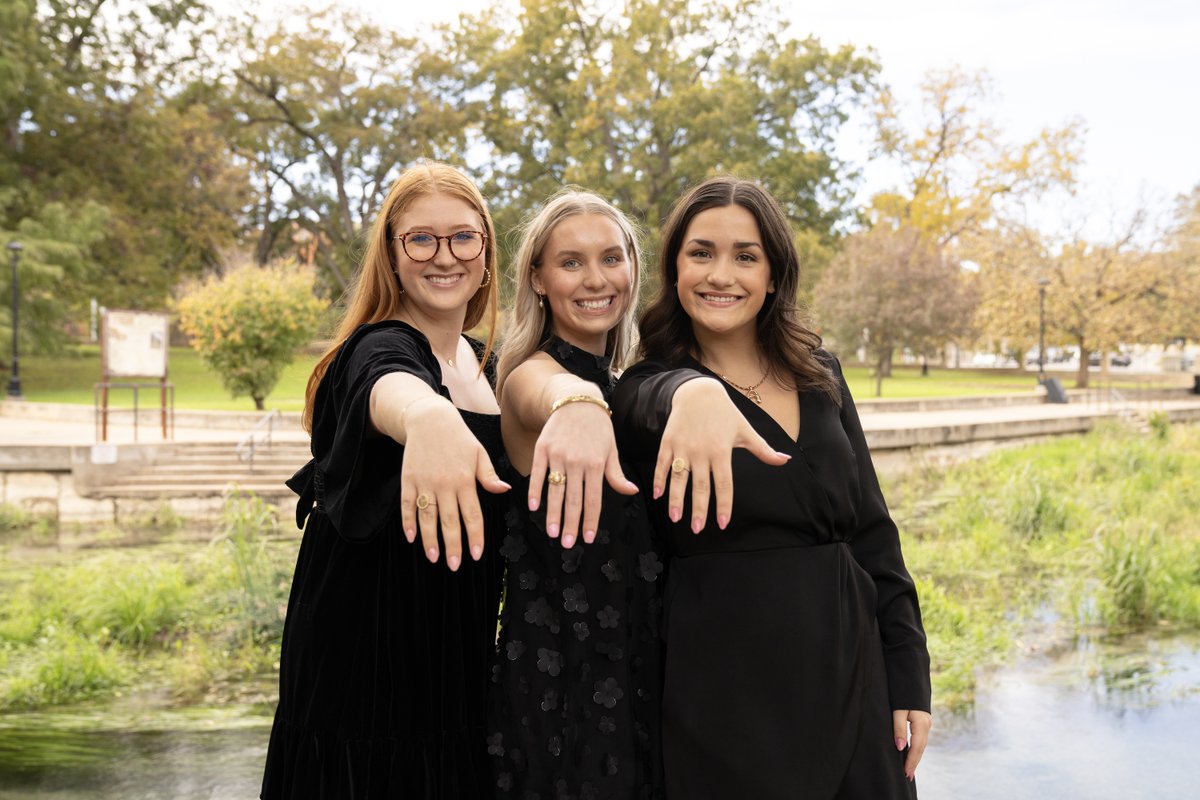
{"type": "Point", "coordinates": [1180, 301]}
{"type": "Point", "coordinates": [639, 104]}
{"type": "Point", "coordinates": [891, 288]}
{"type": "Point", "coordinates": [248, 324]}
{"type": "Point", "coordinates": [327, 112]}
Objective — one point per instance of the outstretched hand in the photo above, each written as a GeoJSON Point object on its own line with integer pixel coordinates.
{"type": "Point", "coordinates": [698, 441]}
{"type": "Point", "coordinates": [577, 442]}
{"type": "Point", "coordinates": [442, 462]}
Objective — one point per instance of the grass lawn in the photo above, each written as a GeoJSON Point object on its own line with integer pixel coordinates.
{"type": "Point", "coordinates": [69, 379]}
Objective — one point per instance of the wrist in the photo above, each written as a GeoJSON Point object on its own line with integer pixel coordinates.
{"type": "Point", "coordinates": [423, 407]}
{"type": "Point", "coordinates": [580, 398]}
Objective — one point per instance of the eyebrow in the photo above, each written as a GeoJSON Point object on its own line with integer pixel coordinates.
{"type": "Point", "coordinates": [577, 254]}
{"type": "Point", "coordinates": [462, 226]}
{"type": "Point", "coordinates": [736, 245]}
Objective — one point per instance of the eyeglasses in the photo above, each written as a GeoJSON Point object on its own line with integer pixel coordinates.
{"type": "Point", "coordinates": [423, 246]}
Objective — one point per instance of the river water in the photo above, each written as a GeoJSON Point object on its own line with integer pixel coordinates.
{"type": "Point", "coordinates": [1102, 720]}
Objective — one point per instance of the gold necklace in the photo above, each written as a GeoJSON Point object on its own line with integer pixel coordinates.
{"type": "Point", "coordinates": [749, 391]}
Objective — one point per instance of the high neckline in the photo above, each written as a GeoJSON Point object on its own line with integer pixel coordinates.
{"type": "Point", "coordinates": [580, 362]}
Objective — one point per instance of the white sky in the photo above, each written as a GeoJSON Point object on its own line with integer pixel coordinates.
{"type": "Point", "coordinates": [1130, 70]}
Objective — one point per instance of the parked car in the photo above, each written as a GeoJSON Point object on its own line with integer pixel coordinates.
{"type": "Point", "coordinates": [1120, 360]}
{"type": "Point", "coordinates": [1094, 359]}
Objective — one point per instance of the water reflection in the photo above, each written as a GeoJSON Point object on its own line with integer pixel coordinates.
{"type": "Point", "coordinates": [1107, 719]}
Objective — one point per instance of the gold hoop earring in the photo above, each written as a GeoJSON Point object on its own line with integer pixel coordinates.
{"type": "Point", "coordinates": [487, 277]}
{"type": "Point", "coordinates": [399, 285]}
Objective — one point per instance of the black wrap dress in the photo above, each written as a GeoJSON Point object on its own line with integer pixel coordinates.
{"type": "Point", "coordinates": [578, 671]}
{"type": "Point", "coordinates": [792, 634]}
{"type": "Point", "coordinates": [384, 672]}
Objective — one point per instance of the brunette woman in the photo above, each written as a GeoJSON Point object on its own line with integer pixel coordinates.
{"type": "Point", "coordinates": [577, 673]}
{"type": "Point", "coordinates": [383, 676]}
{"type": "Point", "coordinates": [796, 663]}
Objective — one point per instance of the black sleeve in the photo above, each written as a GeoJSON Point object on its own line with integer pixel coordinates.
{"type": "Point", "coordinates": [360, 469]}
{"type": "Point", "coordinates": [641, 405]}
{"type": "Point", "coordinates": [876, 547]}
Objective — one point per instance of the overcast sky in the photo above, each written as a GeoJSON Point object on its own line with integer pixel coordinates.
{"type": "Point", "coordinates": [1129, 69]}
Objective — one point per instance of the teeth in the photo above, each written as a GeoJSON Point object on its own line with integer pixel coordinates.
{"type": "Point", "coordinates": [719, 298]}
{"type": "Point", "coordinates": [595, 305]}
{"type": "Point", "coordinates": [443, 280]}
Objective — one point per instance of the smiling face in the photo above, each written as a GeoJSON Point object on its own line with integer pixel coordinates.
{"type": "Point", "coordinates": [724, 276]}
{"type": "Point", "coordinates": [585, 275]}
{"type": "Point", "coordinates": [442, 285]}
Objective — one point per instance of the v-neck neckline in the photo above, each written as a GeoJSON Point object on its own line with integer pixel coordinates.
{"type": "Point", "coordinates": [743, 401]}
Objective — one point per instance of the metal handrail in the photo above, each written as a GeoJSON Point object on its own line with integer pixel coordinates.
{"type": "Point", "coordinates": [249, 443]}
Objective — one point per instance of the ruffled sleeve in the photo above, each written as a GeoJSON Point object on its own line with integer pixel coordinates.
{"type": "Point", "coordinates": [876, 547]}
{"type": "Point", "coordinates": [355, 473]}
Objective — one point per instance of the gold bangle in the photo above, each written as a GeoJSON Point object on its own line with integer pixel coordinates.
{"type": "Point", "coordinates": [580, 398]}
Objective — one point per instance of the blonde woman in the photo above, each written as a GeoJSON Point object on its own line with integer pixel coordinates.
{"type": "Point", "coordinates": [576, 676]}
{"type": "Point", "coordinates": [391, 619]}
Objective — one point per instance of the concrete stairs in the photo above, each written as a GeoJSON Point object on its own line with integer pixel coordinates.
{"type": "Point", "coordinates": [208, 469]}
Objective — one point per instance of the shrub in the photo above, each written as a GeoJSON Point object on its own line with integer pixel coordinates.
{"type": "Point", "coordinates": [248, 324]}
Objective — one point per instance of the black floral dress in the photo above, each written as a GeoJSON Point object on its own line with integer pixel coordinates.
{"type": "Point", "coordinates": [577, 673]}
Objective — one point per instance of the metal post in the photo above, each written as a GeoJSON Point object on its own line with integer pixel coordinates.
{"type": "Point", "coordinates": [1042, 284]}
{"type": "Point", "coordinates": [14, 382]}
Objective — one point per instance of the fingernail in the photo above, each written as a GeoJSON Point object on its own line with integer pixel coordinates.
{"type": "Point", "coordinates": [722, 521]}
{"type": "Point", "coordinates": [657, 492]}
{"type": "Point", "coordinates": [675, 514]}
{"type": "Point", "coordinates": [533, 503]}
{"type": "Point", "coordinates": [785, 455]}
{"type": "Point", "coordinates": [505, 484]}
{"type": "Point", "coordinates": [912, 776]}
{"type": "Point", "coordinates": [453, 561]}
{"type": "Point", "coordinates": [899, 744]}
{"type": "Point", "coordinates": [697, 526]}
{"type": "Point", "coordinates": [552, 530]}
{"type": "Point", "coordinates": [410, 534]}
{"type": "Point", "coordinates": [568, 540]}
{"type": "Point", "coordinates": [589, 536]}
{"type": "Point", "coordinates": [433, 554]}
{"type": "Point", "coordinates": [476, 551]}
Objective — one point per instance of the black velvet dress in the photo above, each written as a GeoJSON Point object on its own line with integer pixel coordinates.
{"type": "Point", "coordinates": [792, 634]}
{"type": "Point", "coordinates": [383, 676]}
{"type": "Point", "coordinates": [577, 675]}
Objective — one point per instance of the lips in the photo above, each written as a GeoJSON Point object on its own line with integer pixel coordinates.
{"type": "Point", "coordinates": [719, 299]}
{"type": "Point", "coordinates": [595, 304]}
{"type": "Point", "coordinates": [443, 281]}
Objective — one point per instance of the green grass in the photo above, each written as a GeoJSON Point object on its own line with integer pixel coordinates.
{"type": "Point", "coordinates": [69, 379]}
{"type": "Point", "coordinates": [1092, 534]}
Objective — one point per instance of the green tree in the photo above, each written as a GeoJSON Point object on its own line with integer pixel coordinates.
{"type": "Point", "coordinates": [891, 288]}
{"type": "Point", "coordinates": [327, 110]}
{"type": "Point", "coordinates": [641, 101]}
{"type": "Point", "coordinates": [248, 324]}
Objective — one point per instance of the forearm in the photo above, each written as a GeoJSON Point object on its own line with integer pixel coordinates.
{"type": "Point", "coordinates": [399, 401]}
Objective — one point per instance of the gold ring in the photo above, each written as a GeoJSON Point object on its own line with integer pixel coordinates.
{"type": "Point", "coordinates": [557, 478]}
{"type": "Point", "coordinates": [678, 466]}
{"type": "Point", "coordinates": [423, 501]}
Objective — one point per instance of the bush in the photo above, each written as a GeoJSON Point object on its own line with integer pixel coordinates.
{"type": "Point", "coordinates": [248, 324]}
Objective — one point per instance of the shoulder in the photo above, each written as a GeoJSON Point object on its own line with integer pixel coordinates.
{"type": "Point", "coordinates": [828, 359]}
{"type": "Point", "coordinates": [388, 334]}
{"type": "Point", "coordinates": [387, 346]}
{"type": "Point", "coordinates": [649, 367]}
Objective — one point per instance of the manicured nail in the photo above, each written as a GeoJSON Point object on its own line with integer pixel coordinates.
{"type": "Point", "coordinates": [589, 536]}
{"type": "Point", "coordinates": [476, 551]}
{"type": "Point", "coordinates": [657, 492]}
{"type": "Point", "coordinates": [722, 521]}
{"type": "Point", "coordinates": [899, 743]}
{"type": "Point", "coordinates": [552, 530]}
{"type": "Point", "coordinates": [432, 553]}
{"type": "Point", "coordinates": [453, 561]}
{"type": "Point", "coordinates": [410, 534]}
{"type": "Point", "coordinates": [784, 455]}
{"type": "Point", "coordinates": [697, 526]}
{"type": "Point", "coordinates": [533, 503]}
{"type": "Point", "coordinates": [568, 540]}
{"type": "Point", "coordinates": [505, 484]}
{"type": "Point", "coordinates": [675, 514]}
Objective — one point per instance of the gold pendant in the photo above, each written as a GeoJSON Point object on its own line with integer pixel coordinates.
{"type": "Point", "coordinates": [753, 394]}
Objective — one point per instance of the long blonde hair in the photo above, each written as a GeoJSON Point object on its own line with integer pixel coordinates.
{"type": "Point", "coordinates": [375, 294]}
{"type": "Point", "coordinates": [532, 324]}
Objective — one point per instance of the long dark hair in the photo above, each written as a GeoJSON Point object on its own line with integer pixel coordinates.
{"type": "Point", "coordinates": [787, 344]}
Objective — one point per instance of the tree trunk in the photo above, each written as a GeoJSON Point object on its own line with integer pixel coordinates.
{"type": "Point", "coordinates": [258, 403]}
{"type": "Point", "coordinates": [879, 365]}
{"type": "Point", "coordinates": [1081, 375]}
{"type": "Point", "coordinates": [924, 366]}
{"type": "Point", "coordinates": [886, 365]}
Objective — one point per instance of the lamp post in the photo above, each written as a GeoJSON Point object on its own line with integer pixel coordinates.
{"type": "Point", "coordinates": [1042, 284]}
{"type": "Point", "coordinates": [14, 382]}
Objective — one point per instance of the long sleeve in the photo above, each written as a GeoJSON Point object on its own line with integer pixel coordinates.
{"type": "Point", "coordinates": [876, 547]}
{"type": "Point", "coordinates": [641, 405]}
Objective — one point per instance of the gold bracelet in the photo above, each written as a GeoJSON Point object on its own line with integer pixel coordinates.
{"type": "Point", "coordinates": [580, 398]}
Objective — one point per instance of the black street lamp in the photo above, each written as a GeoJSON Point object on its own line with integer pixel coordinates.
{"type": "Point", "coordinates": [1042, 284]}
{"type": "Point", "coordinates": [14, 382]}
